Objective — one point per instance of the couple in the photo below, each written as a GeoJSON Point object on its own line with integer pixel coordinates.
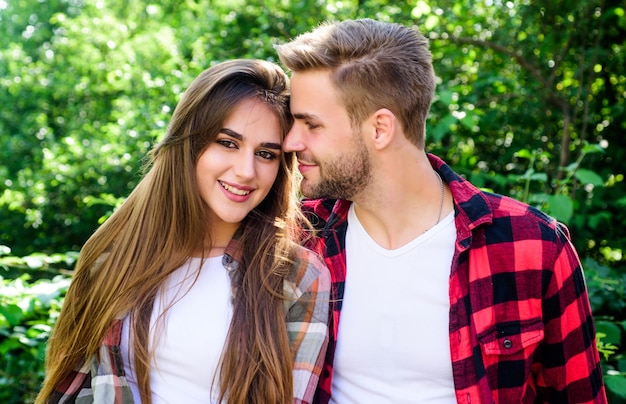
{"type": "Point", "coordinates": [197, 287]}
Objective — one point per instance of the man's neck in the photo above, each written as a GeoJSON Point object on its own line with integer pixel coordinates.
{"type": "Point", "coordinates": [401, 205]}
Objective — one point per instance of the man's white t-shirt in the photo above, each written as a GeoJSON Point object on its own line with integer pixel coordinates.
{"type": "Point", "coordinates": [194, 333]}
{"type": "Point", "coordinates": [393, 339]}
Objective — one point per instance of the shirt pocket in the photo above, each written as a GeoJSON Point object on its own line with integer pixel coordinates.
{"type": "Point", "coordinates": [510, 338]}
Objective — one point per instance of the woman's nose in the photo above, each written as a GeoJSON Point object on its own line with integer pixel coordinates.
{"type": "Point", "coordinates": [244, 166]}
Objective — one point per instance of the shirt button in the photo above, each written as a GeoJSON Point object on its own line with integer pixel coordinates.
{"type": "Point", "coordinates": [507, 343]}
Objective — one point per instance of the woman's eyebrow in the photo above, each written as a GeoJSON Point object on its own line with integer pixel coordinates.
{"type": "Point", "coordinates": [239, 136]}
{"type": "Point", "coordinates": [231, 133]}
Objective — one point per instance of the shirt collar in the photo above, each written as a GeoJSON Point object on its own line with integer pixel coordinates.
{"type": "Point", "coordinates": [233, 253]}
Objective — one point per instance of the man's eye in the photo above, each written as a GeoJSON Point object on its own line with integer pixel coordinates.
{"type": "Point", "coordinates": [267, 155]}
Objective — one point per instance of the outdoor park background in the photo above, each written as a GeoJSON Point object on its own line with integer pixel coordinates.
{"type": "Point", "coordinates": [530, 103]}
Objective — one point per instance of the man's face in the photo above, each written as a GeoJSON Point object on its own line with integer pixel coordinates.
{"type": "Point", "coordinates": [333, 159]}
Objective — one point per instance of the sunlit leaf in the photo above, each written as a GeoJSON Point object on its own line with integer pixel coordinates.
{"type": "Point", "coordinates": [12, 313]}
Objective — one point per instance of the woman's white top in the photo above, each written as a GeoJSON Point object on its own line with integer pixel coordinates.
{"type": "Point", "coordinates": [190, 335]}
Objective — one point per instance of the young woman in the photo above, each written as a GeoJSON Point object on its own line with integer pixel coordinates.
{"type": "Point", "coordinates": [195, 290]}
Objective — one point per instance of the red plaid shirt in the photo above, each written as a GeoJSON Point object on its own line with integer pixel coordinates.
{"type": "Point", "coordinates": [521, 328]}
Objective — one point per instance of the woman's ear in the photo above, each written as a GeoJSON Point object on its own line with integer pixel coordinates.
{"type": "Point", "coordinates": [384, 123]}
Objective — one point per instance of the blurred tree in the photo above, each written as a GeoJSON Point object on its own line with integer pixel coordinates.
{"type": "Point", "coordinates": [530, 103]}
{"type": "Point", "coordinates": [524, 89]}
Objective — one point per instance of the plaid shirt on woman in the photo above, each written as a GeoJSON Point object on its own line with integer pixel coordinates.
{"type": "Point", "coordinates": [101, 379]}
{"type": "Point", "coordinates": [520, 322]}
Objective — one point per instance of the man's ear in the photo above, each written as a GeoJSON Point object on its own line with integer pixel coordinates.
{"type": "Point", "coordinates": [384, 122]}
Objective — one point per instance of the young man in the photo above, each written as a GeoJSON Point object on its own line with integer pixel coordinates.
{"type": "Point", "coordinates": [444, 293]}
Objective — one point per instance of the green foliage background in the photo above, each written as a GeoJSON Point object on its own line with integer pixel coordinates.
{"type": "Point", "coordinates": [530, 103]}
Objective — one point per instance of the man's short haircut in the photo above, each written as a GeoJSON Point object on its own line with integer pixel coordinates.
{"type": "Point", "coordinates": [373, 65]}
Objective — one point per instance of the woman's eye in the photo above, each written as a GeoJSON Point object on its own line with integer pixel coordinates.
{"type": "Point", "coordinates": [227, 143]}
{"type": "Point", "coordinates": [267, 155]}
{"type": "Point", "coordinates": [311, 126]}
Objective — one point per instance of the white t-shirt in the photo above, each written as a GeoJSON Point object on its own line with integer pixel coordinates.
{"type": "Point", "coordinates": [393, 339]}
{"type": "Point", "coordinates": [194, 332]}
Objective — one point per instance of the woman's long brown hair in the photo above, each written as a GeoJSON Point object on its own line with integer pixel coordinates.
{"type": "Point", "coordinates": [159, 226]}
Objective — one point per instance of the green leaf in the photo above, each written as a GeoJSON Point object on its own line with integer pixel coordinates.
{"type": "Point", "coordinates": [561, 207]}
{"type": "Point", "coordinates": [12, 313]}
{"type": "Point", "coordinates": [588, 177]}
{"type": "Point", "coordinates": [442, 128]}
{"type": "Point", "coordinates": [592, 148]}
{"type": "Point", "coordinates": [445, 97]}
{"type": "Point", "coordinates": [612, 332]}
{"type": "Point", "coordinates": [539, 198]}
{"type": "Point", "coordinates": [9, 345]}
{"type": "Point", "coordinates": [541, 177]}
{"type": "Point", "coordinates": [616, 384]}
{"type": "Point", "coordinates": [523, 153]}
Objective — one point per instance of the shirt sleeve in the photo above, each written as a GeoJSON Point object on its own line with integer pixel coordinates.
{"type": "Point", "coordinates": [77, 381]}
{"type": "Point", "coordinates": [307, 322]}
{"type": "Point", "coordinates": [570, 363]}
{"type": "Point", "coordinates": [101, 379]}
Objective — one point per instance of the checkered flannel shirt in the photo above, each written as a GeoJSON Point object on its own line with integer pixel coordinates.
{"type": "Point", "coordinates": [521, 328]}
{"type": "Point", "coordinates": [101, 379]}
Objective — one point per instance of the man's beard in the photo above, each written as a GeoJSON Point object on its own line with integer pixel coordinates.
{"type": "Point", "coordinates": [343, 177]}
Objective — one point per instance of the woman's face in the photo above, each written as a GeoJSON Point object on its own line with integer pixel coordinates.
{"type": "Point", "coordinates": [236, 171]}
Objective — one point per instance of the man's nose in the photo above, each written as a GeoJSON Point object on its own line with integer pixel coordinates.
{"type": "Point", "coordinates": [293, 140]}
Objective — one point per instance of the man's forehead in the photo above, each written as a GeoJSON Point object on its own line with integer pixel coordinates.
{"type": "Point", "coordinates": [312, 87]}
